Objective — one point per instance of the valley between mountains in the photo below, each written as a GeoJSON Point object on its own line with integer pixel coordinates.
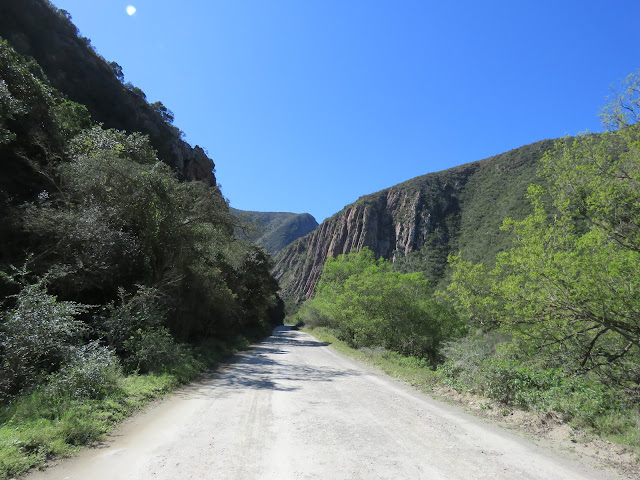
{"type": "Point", "coordinates": [293, 408]}
{"type": "Point", "coordinates": [125, 274]}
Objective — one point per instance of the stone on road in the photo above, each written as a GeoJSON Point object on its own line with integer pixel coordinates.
{"type": "Point", "coordinates": [291, 408]}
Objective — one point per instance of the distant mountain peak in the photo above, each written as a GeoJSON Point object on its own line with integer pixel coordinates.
{"type": "Point", "coordinates": [273, 230]}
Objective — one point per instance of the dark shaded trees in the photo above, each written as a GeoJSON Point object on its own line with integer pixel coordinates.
{"type": "Point", "coordinates": [116, 253]}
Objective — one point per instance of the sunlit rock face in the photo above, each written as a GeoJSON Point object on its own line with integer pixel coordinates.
{"type": "Point", "coordinates": [420, 221]}
{"type": "Point", "coordinates": [398, 220]}
{"type": "Point", "coordinates": [38, 30]}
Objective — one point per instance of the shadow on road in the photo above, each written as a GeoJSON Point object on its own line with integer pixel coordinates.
{"type": "Point", "coordinates": [267, 366]}
{"type": "Point", "coordinates": [288, 336]}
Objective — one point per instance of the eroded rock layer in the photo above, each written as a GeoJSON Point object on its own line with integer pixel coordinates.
{"type": "Point", "coordinates": [425, 218]}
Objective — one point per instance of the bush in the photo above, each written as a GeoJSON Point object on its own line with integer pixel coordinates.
{"type": "Point", "coordinates": [369, 305]}
{"type": "Point", "coordinates": [153, 350]}
{"type": "Point", "coordinates": [91, 371]}
{"type": "Point", "coordinates": [309, 315]}
{"type": "Point", "coordinates": [465, 358]}
{"type": "Point", "coordinates": [489, 365]}
{"type": "Point", "coordinates": [36, 335]}
{"type": "Point", "coordinates": [145, 309]}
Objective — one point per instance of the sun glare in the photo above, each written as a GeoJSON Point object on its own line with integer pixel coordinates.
{"type": "Point", "coordinates": [131, 10]}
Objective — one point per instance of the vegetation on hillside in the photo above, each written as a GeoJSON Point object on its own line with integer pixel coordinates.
{"type": "Point", "coordinates": [470, 217]}
{"type": "Point", "coordinates": [39, 30]}
{"type": "Point", "coordinates": [272, 230]}
{"type": "Point", "coordinates": [552, 321]}
{"type": "Point", "coordinates": [110, 268]}
{"type": "Point", "coordinates": [418, 223]}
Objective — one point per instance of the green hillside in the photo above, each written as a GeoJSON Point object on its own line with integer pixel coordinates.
{"type": "Point", "coordinates": [417, 224]}
{"type": "Point", "coordinates": [120, 276]}
{"type": "Point", "coordinates": [496, 189]}
{"type": "Point", "coordinates": [273, 230]}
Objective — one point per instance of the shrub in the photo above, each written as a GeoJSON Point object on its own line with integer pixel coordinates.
{"type": "Point", "coordinates": [465, 358]}
{"type": "Point", "coordinates": [369, 305]}
{"type": "Point", "coordinates": [91, 371]}
{"type": "Point", "coordinates": [36, 335]}
{"type": "Point", "coordinates": [145, 309]}
{"type": "Point", "coordinates": [491, 365]}
{"type": "Point", "coordinates": [310, 316]}
{"type": "Point", "coordinates": [153, 350]}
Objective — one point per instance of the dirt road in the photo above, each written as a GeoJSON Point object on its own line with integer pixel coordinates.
{"type": "Point", "coordinates": [292, 408]}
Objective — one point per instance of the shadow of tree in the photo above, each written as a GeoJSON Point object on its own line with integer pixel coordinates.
{"type": "Point", "coordinates": [265, 367]}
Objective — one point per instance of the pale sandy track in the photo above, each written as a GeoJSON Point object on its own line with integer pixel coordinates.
{"type": "Point", "coordinates": [291, 408]}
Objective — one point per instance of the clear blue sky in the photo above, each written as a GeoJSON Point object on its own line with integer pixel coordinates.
{"type": "Point", "coordinates": [305, 105]}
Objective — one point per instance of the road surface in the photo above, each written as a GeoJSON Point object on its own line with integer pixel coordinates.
{"type": "Point", "coordinates": [291, 408]}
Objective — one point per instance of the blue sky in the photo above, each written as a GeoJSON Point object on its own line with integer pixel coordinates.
{"type": "Point", "coordinates": [306, 105]}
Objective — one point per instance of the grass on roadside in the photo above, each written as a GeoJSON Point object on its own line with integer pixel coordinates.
{"type": "Point", "coordinates": [620, 426]}
{"type": "Point", "coordinates": [409, 369]}
{"type": "Point", "coordinates": [40, 426]}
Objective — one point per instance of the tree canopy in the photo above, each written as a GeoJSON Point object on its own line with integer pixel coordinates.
{"type": "Point", "coordinates": [372, 306]}
{"type": "Point", "coordinates": [569, 285]}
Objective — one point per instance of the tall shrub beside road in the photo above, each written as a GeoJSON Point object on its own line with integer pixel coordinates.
{"type": "Point", "coordinates": [369, 305]}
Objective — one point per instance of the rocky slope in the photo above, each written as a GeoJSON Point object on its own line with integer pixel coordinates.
{"type": "Point", "coordinates": [274, 230]}
{"type": "Point", "coordinates": [38, 29]}
{"type": "Point", "coordinates": [419, 222]}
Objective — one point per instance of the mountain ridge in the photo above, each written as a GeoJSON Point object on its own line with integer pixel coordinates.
{"type": "Point", "coordinates": [419, 222]}
{"type": "Point", "coordinates": [74, 68]}
{"type": "Point", "coordinates": [273, 230]}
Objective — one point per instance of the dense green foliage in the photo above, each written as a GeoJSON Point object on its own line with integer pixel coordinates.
{"type": "Point", "coordinates": [109, 266]}
{"type": "Point", "coordinates": [569, 286]}
{"type": "Point", "coordinates": [558, 311]}
{"type": "Point", "coordinates": [369, 305]}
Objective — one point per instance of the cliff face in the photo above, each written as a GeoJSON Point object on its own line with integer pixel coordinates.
{"type": "Point", "coordinates": [35, 28]}
{"type": "Point", "coordinates": [394, 222]}
{"type": "Point", "coordinates": [419, 222]}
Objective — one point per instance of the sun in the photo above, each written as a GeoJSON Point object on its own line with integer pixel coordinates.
{"type": "Point", "coordinates": [131, 10]}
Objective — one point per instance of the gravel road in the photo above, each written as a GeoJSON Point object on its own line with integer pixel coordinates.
{"type": "Point", "coordinates": [291, 408]}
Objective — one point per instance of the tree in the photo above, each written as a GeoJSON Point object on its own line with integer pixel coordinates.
{"type": "Point", "coordinates": [164, 112]}
{"type": "Point", "coordinates": [369, 305]}
{"type": "Point", "coordinates": [624, 108]}
{"type": "Point", "coordinates": [570, 284]}
{"type": "Point", "coordinates": [117, 70]}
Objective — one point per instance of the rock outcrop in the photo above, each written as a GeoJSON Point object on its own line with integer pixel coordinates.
{"type": "Point", "coordinates": [35, 28]}
{"type": "Point", "coordinates": [395, 221]}
{"type": "Point", "coordinates": [432, 215]}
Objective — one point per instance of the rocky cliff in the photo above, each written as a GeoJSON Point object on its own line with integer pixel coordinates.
{"type": "Point", "coordinates": [38, 29]}
{"type": "Point", "coordinates": [419, 222]}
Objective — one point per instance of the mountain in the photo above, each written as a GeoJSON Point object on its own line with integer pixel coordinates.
{"type": "Point", "coordinates": [38, 29]}
{"type": "Point", "coordinates": [418, 223]}
{"type": "Point", "coordinates": [82, 193]}
{"type": "Point", "coordinates": [113, 264]}
{"type": "Point", "coordinates": [274, 230]}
